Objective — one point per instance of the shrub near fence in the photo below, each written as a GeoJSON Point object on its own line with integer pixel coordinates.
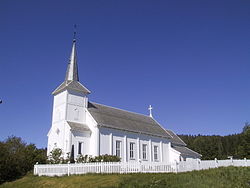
{"type": "Point", "coordinates": [132, 167]}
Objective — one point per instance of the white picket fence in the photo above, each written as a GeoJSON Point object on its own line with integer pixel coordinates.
{"type": "Point", "coordinates": [185, 166]}
{"type": "Point", "coordinates": [102, 167]}
{"type": "Point", "coordinates": [135, 167]}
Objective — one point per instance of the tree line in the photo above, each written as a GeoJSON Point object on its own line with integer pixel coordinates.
{"type": "Point", "coordinates": [220, 147]}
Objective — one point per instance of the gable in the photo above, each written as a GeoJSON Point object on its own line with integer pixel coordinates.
{"type": "Point", "coordinates": [123, 120]}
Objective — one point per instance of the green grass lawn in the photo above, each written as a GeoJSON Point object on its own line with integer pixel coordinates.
{"type": "Point", "coordinates": [229, 177]}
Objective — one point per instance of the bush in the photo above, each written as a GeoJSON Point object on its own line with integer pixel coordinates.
{"type": "Point", "coordinates": [17, 158]}
{"type": "Point", "coordinates": [55, 157]}
{"type": "Point", "coordinates": [101, 158]}
{"type": "Point", "coordinates": [82, 159]}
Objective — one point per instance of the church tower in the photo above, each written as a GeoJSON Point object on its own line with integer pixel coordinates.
{"type": "Point", "coordinates": [69, 108]}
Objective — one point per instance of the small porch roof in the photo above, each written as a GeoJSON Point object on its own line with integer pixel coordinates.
{"type": "Point", "coordinates": [79, 127]}
{"type": "Point", "coordinates": [186, 152]}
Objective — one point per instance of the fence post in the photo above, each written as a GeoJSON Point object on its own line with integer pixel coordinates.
{"type": "Point", "coordinates": [198, 164]}
{"type": "Point", "coordinates": [35, 168]}
{"type": "Point", "coordinates": [68, 168]}
{"type": "Point", "coordinates": [216, 162]}
{"type": "Point", "coordinates": [232, 161]}
{"type": "Point", "coordinates": [102, 167]}
{"type": "Point", "coordinates": [176, 167]}
{"type": "Point", "coordinates": [245, 160]}
{"type": "Point", "coordinates": [141, 166]}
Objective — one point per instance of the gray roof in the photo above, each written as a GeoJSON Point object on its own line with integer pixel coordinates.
{"type": "Point", "coordinates": [71, 84]}
{"type": "Point", "coordinates": [186, 152]}
{"type": "Point", "coordinates": [179, 145]}
{"type": "Point", "coordinates": [79, 127]}
{"type": "Point", "coordinates": [124, 120]}
{"type": "Point", "coordinates": [175, 140]}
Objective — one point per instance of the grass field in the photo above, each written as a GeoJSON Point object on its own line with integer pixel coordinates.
{"type": "Point", "coordinates": [229, 177]}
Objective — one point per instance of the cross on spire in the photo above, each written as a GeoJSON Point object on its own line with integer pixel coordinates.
{"type": "Point", "coordinates": [150, 108]}
{"type": "Point", "coordinates": [74, 37]}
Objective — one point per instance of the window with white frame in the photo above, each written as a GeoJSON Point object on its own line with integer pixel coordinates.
{"type": "Point", "coordinates": [144, 151]}
{"type": "Point", "coordinates": [80, 148]}
{"type": "Point", "coordinates": [156, 153]}
{"type": "Point", "coordinates": [132, 150]}
{"type": "Point", "coordinates": [118, 148]}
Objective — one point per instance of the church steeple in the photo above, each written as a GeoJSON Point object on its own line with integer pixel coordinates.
{"type": "Point", "coordinates": [72, 79]}
{"type": "Point", "coordinates": [72, 70]}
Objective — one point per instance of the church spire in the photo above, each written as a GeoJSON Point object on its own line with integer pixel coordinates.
{"type": "Point", "coordinates": [72, 70]}
{"type": "Point", "coordinates": [72, 79]}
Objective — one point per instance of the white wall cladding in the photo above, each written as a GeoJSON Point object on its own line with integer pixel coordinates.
{"type": "Point", "coordinates": [75, 113]}
{"type": "Point", "coordinates": [59, 107]}
{"type": "Point", "coordinates": [58, 137]}
{"type": "Point", "coordinates": [75, 107]}
{"type": "Point", "coordinates": [94, 146]}
{"type": "Point", "coordinates": [107, 147]}
{"type": "Point", "coordinates": [84, 138]}
{"type": "Point", "coordinates": [60, 98]}
{"type": "Point", "coordinates": [105, 142]}
{"type": "Point", "coordinates": [75, 98]}
{"type": "Point", "coordinates": [174, 155]}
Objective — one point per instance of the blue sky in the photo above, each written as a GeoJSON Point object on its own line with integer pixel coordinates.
{"type": "Point", "coordinates": [189, 59]}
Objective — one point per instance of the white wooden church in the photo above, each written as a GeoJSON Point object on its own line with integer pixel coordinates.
{"type": "Point", "coordinates": [80, 126]}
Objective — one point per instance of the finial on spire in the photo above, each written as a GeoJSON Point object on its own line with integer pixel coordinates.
{"type": "Point", "coordinates": [74, 38]}
{"type": "Point", "coordinates": [150, 108]}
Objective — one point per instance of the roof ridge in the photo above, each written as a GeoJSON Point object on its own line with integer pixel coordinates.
{"type": "Point", "coordinates": [177, 136]}
{"type": "Point", "coordinates": [122, 109]}
{"type": "Point", "coordinates": [168, 133]}
{"type": "Point", "coordinates": [162, 127]}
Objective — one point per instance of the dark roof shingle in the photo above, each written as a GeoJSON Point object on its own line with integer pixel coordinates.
{"type": "Point", "coordinates": [175, 140]}
{"type": "Point", "coordinates": [74, 85]}
{"type": "Point", "coordinates": [124, 120]}
{"type": "Point", "coordinates": [186, 152]}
